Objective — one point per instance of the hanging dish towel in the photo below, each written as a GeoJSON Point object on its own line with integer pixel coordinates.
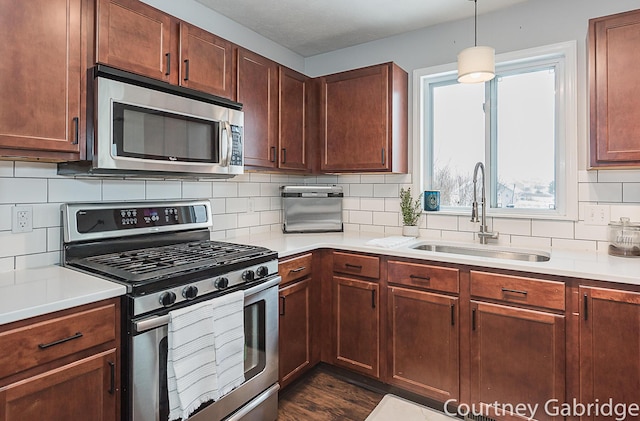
{"type": "Point", "coordinates": [191, 359]}
{"type": "Point", "coordinates": [205, 357]}
{"type": "Point", "coordinates": [228, 325]}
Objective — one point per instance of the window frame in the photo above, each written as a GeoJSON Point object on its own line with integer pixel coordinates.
{"type": "Point", "coordinates": [563, 56]}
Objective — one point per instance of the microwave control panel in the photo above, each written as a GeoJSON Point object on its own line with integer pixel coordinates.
{"type": "Point", "coordinates": [237, 150]}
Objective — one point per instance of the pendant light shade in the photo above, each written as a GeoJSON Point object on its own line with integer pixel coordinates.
{"type": "Point", "coordinates": [476, 64]}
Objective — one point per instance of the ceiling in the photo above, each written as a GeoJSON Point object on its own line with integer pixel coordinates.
{"type": "Point", "coordinates": [310, 27]}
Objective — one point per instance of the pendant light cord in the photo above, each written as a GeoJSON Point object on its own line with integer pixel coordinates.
{"type": "Point", "coordinates": [475, 24]}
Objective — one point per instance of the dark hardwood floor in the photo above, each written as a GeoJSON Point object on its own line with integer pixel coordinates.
{"type": "Point", "coordinates": [321, 395]}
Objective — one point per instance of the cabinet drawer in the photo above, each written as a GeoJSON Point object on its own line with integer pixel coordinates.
{"type": "Point", "coordinates": [515, 289]}
{"type": "Point", "coordinates": [295, 268]}
{"type": "Point", "coordinates": [49, 340]}
{"type": "Point", "coordinates": [356, 264]}
{"type": "Point", "coordinates": [423, 276]}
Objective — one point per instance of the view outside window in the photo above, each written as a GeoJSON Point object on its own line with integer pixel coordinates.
{"type": "Point", "coordinates": [520, 146]}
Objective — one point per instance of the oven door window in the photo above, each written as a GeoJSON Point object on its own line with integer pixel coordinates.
{"type": "Point", "coordinates": [152, 134]}
{"type": "Point", "coordinates": [254, 339]}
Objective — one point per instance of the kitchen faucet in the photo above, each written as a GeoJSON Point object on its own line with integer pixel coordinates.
{"type": "Point", "coordinates": [484, 234]}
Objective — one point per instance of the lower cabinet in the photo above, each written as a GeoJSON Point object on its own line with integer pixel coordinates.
{"type": "Point", "coordinates": [295, 332]}
{"type": "Point", "coordinates": [609, 348]}
{"type": "Point", "coordinates": [423, 343]}
{"type": "Point", "coordinates": [82, 390]}
{"type": "Point", "coordinates": [357, 325]}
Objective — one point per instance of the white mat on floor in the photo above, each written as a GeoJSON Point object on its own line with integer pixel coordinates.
{"type": "Point", "coordinates": [392, 408]}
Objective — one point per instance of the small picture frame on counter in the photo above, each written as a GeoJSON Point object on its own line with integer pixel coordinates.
{"type": "Point", "coordinates": [431, 200]}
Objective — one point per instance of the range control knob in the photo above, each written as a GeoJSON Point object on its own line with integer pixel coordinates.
{"type": "Point", "coordinates": [221, 283]}
{"type": "Point", "coordinates": [190, 292]}
{"type": "Point", "coordinates": [167, 298]}
{"type": "Point", "coordinates": [262, 271]}
{"type": "Point", "coordinates": [248, 275]}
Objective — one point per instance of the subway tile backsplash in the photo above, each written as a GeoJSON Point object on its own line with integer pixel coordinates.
{"type": "Point", "coordinates": [250, 204]}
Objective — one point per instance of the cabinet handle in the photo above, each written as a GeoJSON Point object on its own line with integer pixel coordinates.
{"type": "Point", "coordinates": [453, 315]}
{"type": "Point", "coordinates": [350, 266]}
{"type": "Point", "coordinates": [300, 269]}
{"type": "Point", "coordinates": [273, 154]}
{"type": "Point", "coordinates": [284, 155]}
{"type": "Point", "coordinates": [168, 72]}
{"type": "Point", "coordinates": [76, 135]}
{"type": "Point", "coordinates": [586, 307]}
{"type": "Point", "coordinates": [112, 386]}
{"type": "Point", "coordinates": [283, 300]}
{"type": "Point", "coordinates": [473, 319]}
{"type": "Point", "coordinates": [373, 298]}
{"type": "Point", "coordinates": [420, 278]}
{"type": "Point", "coordinates": [382, 156]}
{"type": "Point", "coordinates": [514, 291]}
{"type": "Point", "coordinates": [60, 341]}
{"type": "Point", "coordinates": [186, 69]}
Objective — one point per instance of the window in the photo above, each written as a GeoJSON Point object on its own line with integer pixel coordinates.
{"type": "Point", "coordinates": [521, 125]}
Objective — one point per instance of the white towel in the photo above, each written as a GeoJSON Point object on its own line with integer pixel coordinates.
{"type": "Point", "coordinates": [205, 353]}
{"type": "Point", "coordinates": [390, 242]}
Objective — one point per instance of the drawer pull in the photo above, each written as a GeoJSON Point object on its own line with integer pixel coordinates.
{"type": "Point", "coordinates": [350, 266]}
{"type": "Point", "coordinates": [300, 269]}
{"type": "Point", "coordinates": [112, 386]}
{"type": "Point", "coordinates": [60, 341]}
{"type": "Point", "coordinates": [515, 291]}
{"type": "Point", "coordinates": [420, 278]}
{"type": "Point", "coordinates": [283, 301]}
{"type": "Point", "coordinates": [586, 307]}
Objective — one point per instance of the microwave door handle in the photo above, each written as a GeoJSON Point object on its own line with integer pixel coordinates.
{"type": "Point", "coordinates": [227, 128]}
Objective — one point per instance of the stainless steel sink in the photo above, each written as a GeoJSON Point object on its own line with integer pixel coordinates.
{"type": "Point", "coordinates": [488, 252]}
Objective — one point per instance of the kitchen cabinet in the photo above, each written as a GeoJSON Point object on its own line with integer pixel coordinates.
{"type": "Point", "coordinates": [364, 120]}
{"type": "Point", "coordinates": [292, 114]}
{"type": "Point", "coordinates": [62, 366]}
{"type": "Point", "coordinates": [42, 78]}
{"type": "Point", "coordinates": [609, 329]}
{"type": "Point", "coordinates": [295, 330]}
{"type": "Point", "coordinates": [614, 84]}
{"type": "Point", "coordinates": [517, 353]}
{"type": "Point", "coordinates": [257, 90]}
{"type": "Point", "coordinates": [423, 329]}
{"type": "Point", "coordinates": [138, 38]}
{"type": "Point", "coordinates": [357, 313]}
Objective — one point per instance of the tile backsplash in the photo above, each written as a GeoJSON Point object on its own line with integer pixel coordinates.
{"type": "Point", "coordinates": [251, 204]}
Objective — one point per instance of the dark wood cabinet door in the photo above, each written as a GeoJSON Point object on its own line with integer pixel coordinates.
{"type": "Point", "coordinates": [205, 61]}
{"type": "Point", "coordinates": [257, 90]}
{"type": "Point", "coordinates": [357, 325]}
{"type": "Point", "coordinates": [517, 356]}
{"type": "Point", "coordinates": [615, 89]}
{"type": "Point", "coordinates": [364, 120]}
{"type": "Point", "coordinates": [41, 74]}
{"type": "Point", "coordinates": [293, 120]}
{"type": "Point", "coordinates": [609, 347]}
{"type": "Point", "coordinates": [295, 331]}
{"type": "Point", "coordinates": [84, 390]}
{"type": "Point", "coordinates": [135, 37]}
{"type": "Point", "coordinates": [423, 346]}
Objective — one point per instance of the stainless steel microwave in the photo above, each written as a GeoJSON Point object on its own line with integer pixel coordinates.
{"type": "Point", "coordinates": [144, 127]}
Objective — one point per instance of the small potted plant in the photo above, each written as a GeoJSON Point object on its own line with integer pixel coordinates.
{"type": "Point", "coordinates": [411, 210]}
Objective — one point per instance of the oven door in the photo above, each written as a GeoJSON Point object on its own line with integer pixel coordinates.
{"type": "Point", "coordinates": [255, 399]}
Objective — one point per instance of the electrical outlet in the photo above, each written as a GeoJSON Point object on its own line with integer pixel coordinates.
{"type": "Point", "coordinates": [597, 214]}
{"type": "Point", "coordinates": [22, 219]}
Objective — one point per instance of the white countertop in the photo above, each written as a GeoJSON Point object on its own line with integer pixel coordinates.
{"type": "Point", "coordinates": [575, 264]}
{"type": "Point", "coordinates": [33, 292]}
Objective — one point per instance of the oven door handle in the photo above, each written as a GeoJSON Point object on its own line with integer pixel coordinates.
{"type": "Point", "coordinates": [158, 321]}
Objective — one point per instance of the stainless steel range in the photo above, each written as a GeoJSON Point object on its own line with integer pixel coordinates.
{"type": "Point", "coordinates": [161, 251]}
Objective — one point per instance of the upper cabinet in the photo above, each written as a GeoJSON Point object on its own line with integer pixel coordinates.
{"type": "Point", "coordinates": [257, 90]}
{"type": "Point", "coordinates": [135, 37]}
{"type": "Point", "coordinates": [364, 120]}
{"type": "Point", "coordinates": [615, 90]}
{"type": "Point", "coordinates": [42, 73]}
{"type": "Point", "coordinates": [293, 113]}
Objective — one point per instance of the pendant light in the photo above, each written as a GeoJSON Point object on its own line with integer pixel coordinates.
{"type": "Point", "coordinates": [476, 64]}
